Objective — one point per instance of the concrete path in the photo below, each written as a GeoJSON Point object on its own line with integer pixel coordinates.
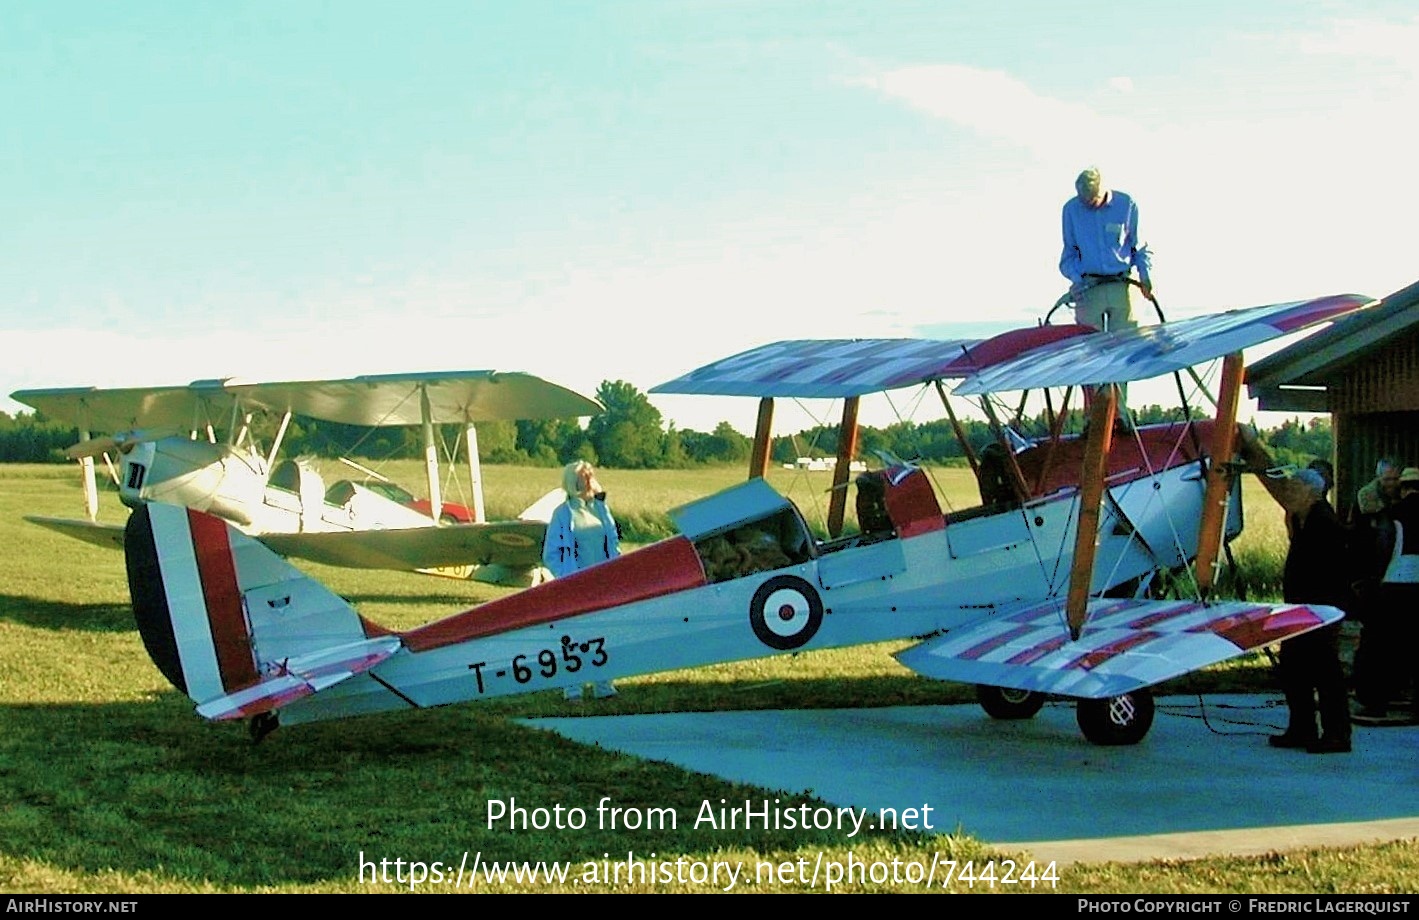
{"type": "Point", "coordinates": [1204, 781]}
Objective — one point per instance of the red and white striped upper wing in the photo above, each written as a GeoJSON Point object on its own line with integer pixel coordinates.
{"type": "Point", "coordinates": [1151, 351]}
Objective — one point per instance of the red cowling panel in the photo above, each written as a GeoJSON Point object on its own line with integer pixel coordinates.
{"type": "Point", "coordinates": [661, 568]}
{"type": "Point", "coordinates": [912, 505]}
{"type": "Point", "coordinates": [1164, 446]}
{"type": "Point", "coordinates": [222, 596]}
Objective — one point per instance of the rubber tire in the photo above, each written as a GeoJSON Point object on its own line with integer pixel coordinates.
{"type": "Point", "coordinates": [1117, 720]}
{"type": "Point", "coordinates": [1006, 703]}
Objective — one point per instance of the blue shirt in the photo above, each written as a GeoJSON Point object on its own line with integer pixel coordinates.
{"type": "Point", "coordinates": [580, 534]}
{"type": "Point", "coordinates": [1102, 240]}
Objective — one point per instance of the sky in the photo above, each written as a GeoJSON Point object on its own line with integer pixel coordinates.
{"type": "Point", "coordinates": [628, 189]}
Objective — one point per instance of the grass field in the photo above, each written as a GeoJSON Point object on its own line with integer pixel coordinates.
{"type": "Point", "coordinates": [111, 783]}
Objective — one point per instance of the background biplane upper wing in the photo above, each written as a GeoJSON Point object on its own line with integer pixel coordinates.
{"type": "Point", "coordinates": [165, 408]}
{"type": "Point", "coordinates": [1130, 644]}
{"type": "Point", "coordinates": [1150, 351]}
{"type": "Point", "coordinates": [453, 397]}
{"type": "Point", "coordinates": [373, 401]}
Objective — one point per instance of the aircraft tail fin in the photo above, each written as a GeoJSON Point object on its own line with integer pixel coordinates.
{"type": "Point", "coordinates": [541, 510]}
{"type": "Point", "coordinates": [230, 623]}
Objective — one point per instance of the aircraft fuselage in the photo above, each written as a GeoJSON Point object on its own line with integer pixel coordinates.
{"type": "Point", "coordinates": [658, 608]}
{"type": "Point", "coordinates": [238, 486]}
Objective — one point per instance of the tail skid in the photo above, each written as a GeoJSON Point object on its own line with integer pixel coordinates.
{"type": "Point", "coordinates": [233, 626]}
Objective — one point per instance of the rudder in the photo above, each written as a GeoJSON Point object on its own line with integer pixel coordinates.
{"type": "Point", "coordinates": [230, 623]}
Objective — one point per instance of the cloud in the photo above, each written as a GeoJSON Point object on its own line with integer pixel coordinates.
{"type": "Point", "coordinates": [1397, 42]}
{"type": "Point", "coordinates": [997, 105]}
{"type": "Point", "coordinates": [1306, 197]}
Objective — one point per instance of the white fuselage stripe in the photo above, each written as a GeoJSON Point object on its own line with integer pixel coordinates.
{"type": "Point", "coordinates": [187, 605]}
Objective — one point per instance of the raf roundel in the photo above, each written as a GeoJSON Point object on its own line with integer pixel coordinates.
{"type": "Point", "coordinates": [786, 612]}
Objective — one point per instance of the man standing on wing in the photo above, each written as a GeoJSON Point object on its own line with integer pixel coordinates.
{"type": "Point", "coordinates": [1101, 253]}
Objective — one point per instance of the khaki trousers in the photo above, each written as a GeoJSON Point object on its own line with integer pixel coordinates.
{"type": "Point", "coordinates": [1107, 306]}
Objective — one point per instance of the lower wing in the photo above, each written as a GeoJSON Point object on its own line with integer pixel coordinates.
{"type": "Point", "coordinates": [110, 535]}
{"type": "Point", "coordinates": [515, 544]}
{"type": "Point", "coordinates": [1127, 644]}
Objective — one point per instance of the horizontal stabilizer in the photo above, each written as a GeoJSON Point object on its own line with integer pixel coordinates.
{"type": "Point", "coordinates": [298, 677]}
{"type": "Point", "coordinates": [1127, 644]}
{"type": "Point", "coordinates": [107, 535]}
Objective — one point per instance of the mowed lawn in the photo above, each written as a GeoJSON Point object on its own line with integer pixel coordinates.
{"type": "Point", "coordinates": [112, 784]}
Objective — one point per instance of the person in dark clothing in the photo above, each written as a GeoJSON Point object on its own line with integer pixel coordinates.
{"type": "Point", "coordinates": [1399, 596]}
{"type": "Point", "coordinates": [1311, 672]}
{"type": "Point", "coordinates": [1316, 571]}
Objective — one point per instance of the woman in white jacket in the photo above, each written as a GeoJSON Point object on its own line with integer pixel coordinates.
{"type": "Point", "coordinates": [580, 534]}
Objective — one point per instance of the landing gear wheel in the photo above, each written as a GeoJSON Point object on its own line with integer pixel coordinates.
{"type": "Point", "coordinates": [1117, 720]}
{"type": "Point", "coordinates": [1006, 703]}
{"type": "Point", "coordinates": [261, 725]}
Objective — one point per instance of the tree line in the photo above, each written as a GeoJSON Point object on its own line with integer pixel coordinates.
{"type": "Point", "coordinates": [631, 434]}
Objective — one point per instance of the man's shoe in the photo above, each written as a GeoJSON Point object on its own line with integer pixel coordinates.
{"type": "Point", "coordinates": [1288, 740]}
{"type": "Point", "coordinates": [1329, 746]}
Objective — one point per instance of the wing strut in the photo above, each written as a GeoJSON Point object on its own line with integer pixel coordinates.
{"type": "Point", "coordinates": [847, 447]}
{"type": "Point", "coordinates": [431, 454]}
{"type": "Point", "coordinates": [1214, 502]}
{"type": "Point", "coordinates": [759, 460]}
{"type": "Point", "coordinates": [1097, 440]}
{"type": "Point", "coordinates": [91, 486]}
{"type": "Point", "coordinates": [475, 474]}
{"type": "Point", "coordinates": [1017, 477]}
{"type": "Point", "coordinates": [276, 443]}
{"type": "Point", "coordinates": [960, 432]}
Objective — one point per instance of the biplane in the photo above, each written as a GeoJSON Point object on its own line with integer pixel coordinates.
{"type": "Point", "coordinates": [1039, 592]}
{"type": "Point", "coordinates": [194, 446]}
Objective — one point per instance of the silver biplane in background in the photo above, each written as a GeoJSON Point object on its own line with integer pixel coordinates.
{"type": "Point", "coordinates": [194, 446]}
{"type": "Point", "coordinates": [1015, 596]}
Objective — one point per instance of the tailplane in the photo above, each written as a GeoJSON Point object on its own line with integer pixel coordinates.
{"type": "Point", "coordinates": [231, 624]}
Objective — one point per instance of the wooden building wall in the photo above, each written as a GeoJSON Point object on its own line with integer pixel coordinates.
{"type": "Point", "coordinates": [1375, 410]}
{"type": "Point", "coordinates": [1361, 439]}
